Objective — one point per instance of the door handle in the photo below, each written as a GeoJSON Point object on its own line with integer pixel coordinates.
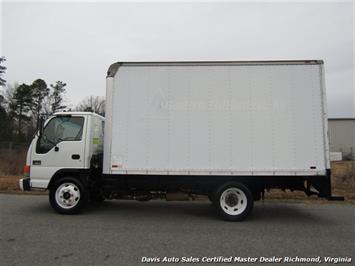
{"type": "Point", "coordinates": [75, 156]}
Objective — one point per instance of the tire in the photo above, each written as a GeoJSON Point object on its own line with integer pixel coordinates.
{"type": "Point", "coordinates": [68, 195]}
{"type": "Point", "coordinates": [234, 201]}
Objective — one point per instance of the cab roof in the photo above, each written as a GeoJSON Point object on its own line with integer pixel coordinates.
{"type": "Point", "coordinates": [77, 113]}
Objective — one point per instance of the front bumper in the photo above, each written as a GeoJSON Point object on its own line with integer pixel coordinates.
{"type": "Point", "coordinates": [25, 184]}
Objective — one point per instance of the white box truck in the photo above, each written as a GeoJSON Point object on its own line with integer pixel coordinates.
{"type": "Point", "coordinates": [228, 130]}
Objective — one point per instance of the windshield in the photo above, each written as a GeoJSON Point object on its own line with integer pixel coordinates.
{"type": "Point", "coordinates": [58, 129]}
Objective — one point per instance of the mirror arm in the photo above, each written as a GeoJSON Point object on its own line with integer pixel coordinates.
{"type": "Point", "coordinates": [41, 124]}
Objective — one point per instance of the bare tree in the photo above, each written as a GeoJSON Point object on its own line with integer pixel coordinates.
{"type": "Point", "coordinates": [2, 71]}
{"type": "Point", "coordinates": [94, 104]}
{"type": "Point", "coordinates": [4, 120]}
{"type": "Point", "coordinates": [9, 91]}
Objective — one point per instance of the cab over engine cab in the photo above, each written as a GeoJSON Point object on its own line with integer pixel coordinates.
{"type": "Point", "coordinates": [60, 159]}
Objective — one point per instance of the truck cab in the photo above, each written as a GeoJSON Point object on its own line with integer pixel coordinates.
{"type": "Point", "coordinates": [64, 146]}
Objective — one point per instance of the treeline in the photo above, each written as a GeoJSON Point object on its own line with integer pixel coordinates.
{"type": "Point", "coordinates": [23, 106]}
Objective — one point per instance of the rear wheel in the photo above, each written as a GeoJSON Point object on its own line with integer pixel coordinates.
{"type": "Point", "coordinates": [234, 201]}
{"type": "Point", "coordinates": [68, 195]}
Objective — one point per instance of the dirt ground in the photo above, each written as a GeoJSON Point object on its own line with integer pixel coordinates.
{"type": "Point", "coordinates": [343, 183]}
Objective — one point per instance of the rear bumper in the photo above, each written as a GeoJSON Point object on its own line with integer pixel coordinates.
{"type": "Point", "coordinates": [25, 184]}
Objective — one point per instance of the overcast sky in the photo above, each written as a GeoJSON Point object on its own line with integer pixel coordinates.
{"type": "Point", "coordinates": [76, 42]}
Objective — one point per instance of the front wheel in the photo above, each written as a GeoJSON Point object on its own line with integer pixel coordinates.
{"type": "Point", "coordinates": [234, 201]}
{"type": "Point", "coordinates": [68, 195]}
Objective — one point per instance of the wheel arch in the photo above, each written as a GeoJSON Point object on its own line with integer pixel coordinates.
{"type": "Point", "coordinates": [80, 174]}
{"type": "Point", "coordinates": [255, 185]}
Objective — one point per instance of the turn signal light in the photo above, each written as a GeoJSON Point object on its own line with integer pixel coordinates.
{"type": "Point", "coordinates": [26, 170]}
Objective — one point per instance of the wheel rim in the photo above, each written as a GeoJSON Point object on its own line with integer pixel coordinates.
{"type": "Point", "coordinates": [67, 195]}
{"type": "Point", "coordinates": [233, 201]}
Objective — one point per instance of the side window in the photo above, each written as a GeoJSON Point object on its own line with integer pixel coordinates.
{"type": "Point", "coordinates": [58, 129]}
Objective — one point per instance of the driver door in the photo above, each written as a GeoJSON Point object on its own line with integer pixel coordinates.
{"type": "Point", "coordinates": [61, 146]}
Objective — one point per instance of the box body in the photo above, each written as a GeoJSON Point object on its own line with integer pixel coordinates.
{"type": "Point", "coordinates": [216, 118]}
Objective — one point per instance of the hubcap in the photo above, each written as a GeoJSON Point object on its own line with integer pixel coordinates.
{"type": "Point", "coordinates": [67, 195]}
{"type": "Point", "coordinates": [233, 201]}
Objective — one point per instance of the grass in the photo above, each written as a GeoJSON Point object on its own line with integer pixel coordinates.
{"type": "Point", "coordinates": [12, 161]}
{"type": "Point", "coordinates": [11, 165]}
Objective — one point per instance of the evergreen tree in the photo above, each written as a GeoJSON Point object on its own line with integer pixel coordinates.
{"type": "Point", "coordinates": [21, 105]}
{"type": "Point", "coordinates": [57, 96]}
{"type": "Point", "coordinates": [39, 92]}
